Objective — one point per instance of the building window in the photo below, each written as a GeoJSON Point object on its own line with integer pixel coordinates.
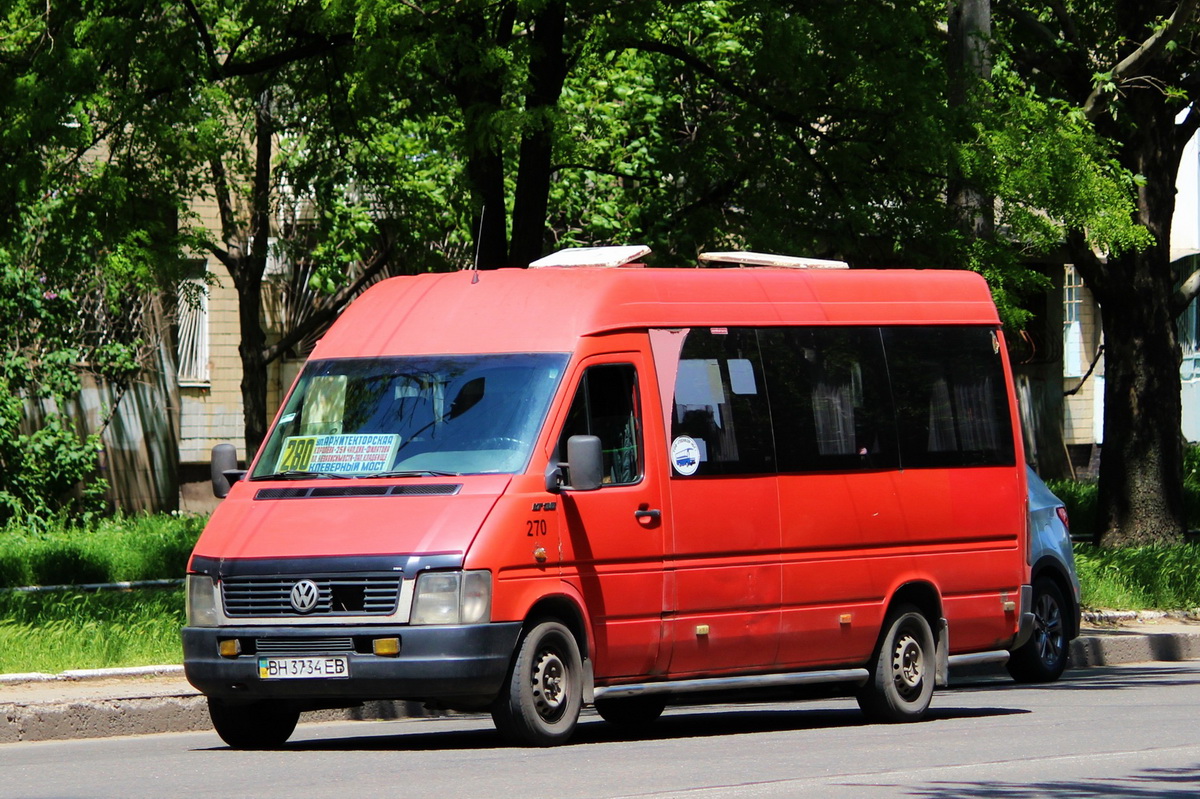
{"type": "Point", "coordinates": [193, 334]}
{"type": "Point", "coordinates": [1188, 324]}
{"type": "Point", "coordinates": [1073, 362]}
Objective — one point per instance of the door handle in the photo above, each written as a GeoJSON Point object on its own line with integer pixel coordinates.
{"type": "Point", "coordinates": [652, 514]}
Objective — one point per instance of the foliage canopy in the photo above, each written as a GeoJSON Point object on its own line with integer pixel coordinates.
{"type": "Point", "coordinates": [353, 138]}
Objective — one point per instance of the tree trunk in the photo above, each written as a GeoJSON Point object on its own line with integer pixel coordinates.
{"type": "Point", "coordinates": [254, 367]}
{"type": "Point", "coordinates": [479, 93]}
{"type": "Point", "coordinates": [1141, 462]}
{"type": "Point", "coordinates": [970, 64]}
{"type": "Point", "coordinates": [547, 71]}
{"type": "Point", "coordinates": [249, 284]}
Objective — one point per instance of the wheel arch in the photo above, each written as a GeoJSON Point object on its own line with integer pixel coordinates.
{"type": "Point", "coordinates": [567, 610]}
{"type": "Point", "coordinates": [1050, 568]}
{"type": "Point", "coordinates": [923, 595]}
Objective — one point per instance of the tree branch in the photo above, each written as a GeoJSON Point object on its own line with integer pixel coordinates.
{"type": "Point", "coordinates": [1070, 31]}
{"type": "Point", "coordinates": [689, 59]}
{"type": "Point", "coordinates": [1029, 22]}
{"type": "Point", "coordinates": [224, 202]}
{"type": "Point", "coordinates": [319, 45]}
{"type": "Point", "coordinates": [224, 256]}
{"type": "Point", "coordinates": [331, 308]}
{"type": "Point", "coordinates": [602, 171]}
{"type": "Point", "coordinates": [1184, 295]}
{"type": "Point", "coordinates": [1046, 53]}
{"type": "Point", "coordinates": [1097, 103]}
{"type": "Point", "coordinates": [210, 51]}
{"type": "Point", "coordinates": [1185, 130]}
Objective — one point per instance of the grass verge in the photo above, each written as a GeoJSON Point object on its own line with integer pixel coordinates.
{"type": "Point", "coordinates": [55, 631]}
{"type": "Point", "coordinates": [1139, 578]}
{"type": "Point", "coordinates": [60, 630]}
{"type": "Point", "coordinates": [122, 548]}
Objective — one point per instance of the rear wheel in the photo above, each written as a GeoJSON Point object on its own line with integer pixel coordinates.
{"type": "Point", "coordinates": [902, 672]}
{"type": "Point", "coordinates": [540, 703]}
{"type": "Point", "coordinates": [1044, 656]}
{"type": "Point", "coordinates": [631, 711]}
{"type": "Point", "coordinates": [255, 725]}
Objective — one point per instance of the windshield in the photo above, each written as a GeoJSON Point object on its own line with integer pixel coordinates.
{"type": "Point", "coordinates": [376, 417]}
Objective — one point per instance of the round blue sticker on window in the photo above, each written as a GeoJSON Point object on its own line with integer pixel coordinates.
{"type": "Point", "coordinates": [685, 455]}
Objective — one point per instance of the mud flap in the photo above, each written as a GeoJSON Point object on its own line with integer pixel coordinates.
{"type": "Point", "coordinates": [941, 677]}
{"type": "Point", "coordinates": [1025, 630]}
{"type": "Point", "coordinates": [589, 682]}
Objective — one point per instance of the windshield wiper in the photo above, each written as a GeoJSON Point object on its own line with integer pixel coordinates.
{"type": "Point", "coordinates": [301, 474]}
{"type": "Point", "coordinates": [413, 473]}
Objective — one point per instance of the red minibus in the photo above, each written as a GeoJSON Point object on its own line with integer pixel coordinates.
{"type": "Point", "coordinates": [596, 483]}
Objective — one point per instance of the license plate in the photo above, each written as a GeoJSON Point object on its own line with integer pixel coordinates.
{"type": "Point", "coordinates": [326, 668]}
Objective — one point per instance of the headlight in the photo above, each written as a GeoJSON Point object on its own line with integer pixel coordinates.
{"type": "Point", "coordinates": [452, 598]}
{"type": "Point", "coordinates": [201, 601]}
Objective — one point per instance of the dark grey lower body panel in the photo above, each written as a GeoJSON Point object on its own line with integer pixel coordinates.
{"type": "Point", "coordinates": [454, 662]}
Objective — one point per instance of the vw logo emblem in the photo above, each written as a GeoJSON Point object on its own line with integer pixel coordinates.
{"type": "Point", "coordinates": [305, 595]}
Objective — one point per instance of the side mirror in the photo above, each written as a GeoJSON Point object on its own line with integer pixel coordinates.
{"type": "Point", "coordinates": [224, 469]}
{"type": "Point", "coordinates": [585, 463]}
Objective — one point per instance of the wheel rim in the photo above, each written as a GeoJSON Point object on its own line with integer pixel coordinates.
{"type": "Point", "coordinates": [1048, 629]}
{"type": "Point", "coordinates": [908, 665]}
{"type": "Point", "coordinates": [550, 685]}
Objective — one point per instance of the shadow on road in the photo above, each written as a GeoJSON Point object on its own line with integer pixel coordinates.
{"type": "Point", "coordinates": [678, 723]}
{"type": "Point", "coordinates": [1104, 678]}
{"type": "Point", "coordinates": [702, 721]}
{"type": "Point", "coordinates": [1180, 783]}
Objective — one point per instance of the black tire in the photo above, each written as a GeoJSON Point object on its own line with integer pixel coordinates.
{"type": "Point", "coordinates": [256, 725]}
{"type": "Point", "coordinates": [1044, 656]}
{"type": "Point", "coordinates": [632, 711]}
{"type": "Point", "coordinates": [540, 703]}
{"type": "Point", "coordinates": [902, 670]}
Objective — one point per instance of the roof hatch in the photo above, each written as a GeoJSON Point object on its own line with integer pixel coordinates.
{"type": "Point", "coordinates": [593, 256]}
{"type": "Point", "coordinates": [767, 259]}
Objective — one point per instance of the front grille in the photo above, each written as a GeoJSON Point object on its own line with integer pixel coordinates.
{"type": "Point", "coordinates": [337, 595]}
{"type": "Point", "coordinates": [302, 646]}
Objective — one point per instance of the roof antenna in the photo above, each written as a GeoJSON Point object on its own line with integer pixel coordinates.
{"type": "Point", "coordinates": [478, 246]}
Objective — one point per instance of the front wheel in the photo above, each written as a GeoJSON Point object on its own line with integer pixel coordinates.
{"type": "Point", "coordinates": [540, 703]}
{"type": "Point", "coordinates": [255, 725]}
{"type": "Point", "coordinates": [1044, 656]}
{"type": "Point", "coordinates": [902, 672]}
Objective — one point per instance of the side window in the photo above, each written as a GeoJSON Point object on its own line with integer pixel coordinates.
{"type": "Point", "coordinates": [829, 398]}
{"type": "Point", "coordinates": [606, 406]}
{"type": "Point", "coordinates": [950, 394]}
{"type": "Point", "coordinates": [721, 403]}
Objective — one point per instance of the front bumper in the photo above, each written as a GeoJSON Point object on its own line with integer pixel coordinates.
{"type": "Point", "coordinates": [465, 663]}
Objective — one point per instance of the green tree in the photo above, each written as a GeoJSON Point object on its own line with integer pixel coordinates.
{"type": "Point", "coordinates": [1129, 69]}
{"type": "Point", "coordinates": [82, 239]}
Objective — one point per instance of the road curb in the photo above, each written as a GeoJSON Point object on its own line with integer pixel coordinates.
{"type": "Point", "coordinates": [92, 674]}
{"type": "Point", "coordinates": [1133, 646]}
{"type": "Point", "coordinates": [155, 699]}
{"type": "Point", "coordinates": [57, 721]}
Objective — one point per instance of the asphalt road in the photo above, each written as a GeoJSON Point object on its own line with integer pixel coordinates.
{"type": "Point", "coordinates": [1123, 732]}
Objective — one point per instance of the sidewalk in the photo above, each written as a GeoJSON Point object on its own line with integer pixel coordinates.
{"type": "Point", "coordinates": [109, 702]}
